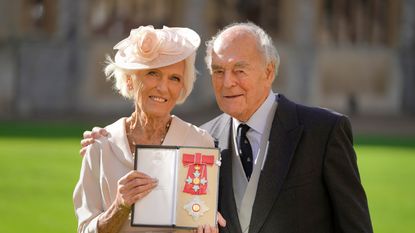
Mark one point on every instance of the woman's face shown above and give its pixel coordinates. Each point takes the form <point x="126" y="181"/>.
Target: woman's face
<point x="160" y="88"/>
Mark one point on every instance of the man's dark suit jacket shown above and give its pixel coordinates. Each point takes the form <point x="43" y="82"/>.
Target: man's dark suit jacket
<point x="310" y="181"/>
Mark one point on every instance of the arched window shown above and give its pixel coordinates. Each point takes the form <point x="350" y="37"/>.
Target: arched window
<point x="358" y="22"/>
<point x="39" y="17"/>
<point x="117" y="17"/>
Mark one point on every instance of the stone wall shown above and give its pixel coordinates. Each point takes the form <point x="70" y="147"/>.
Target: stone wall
<point x="52" y="53"/>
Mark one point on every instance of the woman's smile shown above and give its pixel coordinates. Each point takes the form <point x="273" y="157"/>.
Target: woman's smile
<point x="158" y="99"/>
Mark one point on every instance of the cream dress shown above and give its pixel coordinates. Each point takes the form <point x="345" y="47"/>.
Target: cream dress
<point x="109" y="159"/>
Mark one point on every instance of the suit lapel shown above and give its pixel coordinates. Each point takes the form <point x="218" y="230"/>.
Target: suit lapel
<point x="227" y="204"/>
<point x="284" y="136"/>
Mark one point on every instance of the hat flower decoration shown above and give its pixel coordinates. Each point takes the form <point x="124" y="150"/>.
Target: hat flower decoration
<point x="147" y="47"/>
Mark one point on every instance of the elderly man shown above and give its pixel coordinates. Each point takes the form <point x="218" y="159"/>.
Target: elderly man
<point x="285" y="167"/>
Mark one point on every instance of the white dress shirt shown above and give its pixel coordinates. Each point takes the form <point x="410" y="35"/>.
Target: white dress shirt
<point x="257" y="123"/>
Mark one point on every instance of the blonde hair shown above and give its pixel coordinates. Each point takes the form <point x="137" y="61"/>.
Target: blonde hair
<point x="120" y="76"/>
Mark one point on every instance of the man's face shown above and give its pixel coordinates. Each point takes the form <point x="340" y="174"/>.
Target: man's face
<point x="240" y="77"/>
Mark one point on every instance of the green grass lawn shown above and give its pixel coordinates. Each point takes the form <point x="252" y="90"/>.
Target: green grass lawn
<point x="39" y="166"/>
<point x="388" y="175"/>
<point x="37" y="179"/>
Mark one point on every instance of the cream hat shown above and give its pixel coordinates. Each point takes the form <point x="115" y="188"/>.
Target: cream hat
<point x="148" y="48"/>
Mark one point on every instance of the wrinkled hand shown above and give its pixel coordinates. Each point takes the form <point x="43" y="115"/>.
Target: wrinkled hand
<point x="212" y="229"/>
<point x="132" y="187"/>
<point x="89" y="138"/>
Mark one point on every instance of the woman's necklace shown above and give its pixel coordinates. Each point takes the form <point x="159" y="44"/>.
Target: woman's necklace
<point x="130" y="136"/>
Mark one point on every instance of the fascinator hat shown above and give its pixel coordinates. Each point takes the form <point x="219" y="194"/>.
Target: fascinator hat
<point x="148" y="48"/>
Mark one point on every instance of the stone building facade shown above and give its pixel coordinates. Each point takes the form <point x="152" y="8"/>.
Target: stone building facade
<point x="353" y="56"/>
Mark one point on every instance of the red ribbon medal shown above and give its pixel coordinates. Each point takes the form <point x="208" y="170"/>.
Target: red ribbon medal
<point x="196" y="181"/>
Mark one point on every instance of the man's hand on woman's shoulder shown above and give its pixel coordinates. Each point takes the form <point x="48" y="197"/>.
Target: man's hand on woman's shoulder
<point x="89" y="138"/>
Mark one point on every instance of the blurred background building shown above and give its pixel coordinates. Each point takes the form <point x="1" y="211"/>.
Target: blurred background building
<point x="353" y="56"/>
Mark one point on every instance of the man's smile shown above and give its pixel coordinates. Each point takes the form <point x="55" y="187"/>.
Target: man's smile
<point x="232" y="96"/>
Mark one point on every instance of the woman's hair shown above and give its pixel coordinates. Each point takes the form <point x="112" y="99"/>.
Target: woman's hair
<point x="264" y="42"/>
<point x="120" y="75"/>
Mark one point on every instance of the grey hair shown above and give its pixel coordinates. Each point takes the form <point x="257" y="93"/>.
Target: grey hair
<point x="264" y="42"/>
<point x="120" y="76"/>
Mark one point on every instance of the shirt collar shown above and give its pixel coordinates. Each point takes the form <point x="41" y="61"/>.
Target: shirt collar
<point x="256" y="121"/>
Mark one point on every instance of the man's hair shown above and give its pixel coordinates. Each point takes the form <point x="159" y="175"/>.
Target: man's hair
<point x="264" y="43"/>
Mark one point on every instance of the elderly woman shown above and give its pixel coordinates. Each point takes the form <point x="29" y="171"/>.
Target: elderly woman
<point x="155" y="69"/>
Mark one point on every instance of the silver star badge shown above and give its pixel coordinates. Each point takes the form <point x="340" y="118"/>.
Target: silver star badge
<point x="196" y="207"/>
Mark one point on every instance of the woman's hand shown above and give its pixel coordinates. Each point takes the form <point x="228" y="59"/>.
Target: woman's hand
<point x="212" y="229"/>
<point x="132" y="187"/>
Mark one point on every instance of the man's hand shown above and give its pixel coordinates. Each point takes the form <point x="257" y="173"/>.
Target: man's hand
<point x="212" y="229"/>
<point x="89" y="138"/>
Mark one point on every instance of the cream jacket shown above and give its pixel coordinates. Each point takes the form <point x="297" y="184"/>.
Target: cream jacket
<point x="110" y="158"/>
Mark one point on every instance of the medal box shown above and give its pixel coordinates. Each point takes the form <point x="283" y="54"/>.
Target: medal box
<point x="187" y="192"/>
